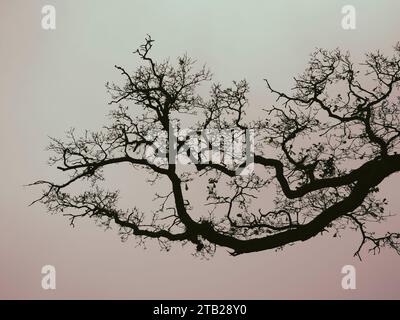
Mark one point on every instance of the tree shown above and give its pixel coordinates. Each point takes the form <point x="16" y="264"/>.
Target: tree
<point x="334" y="137"/>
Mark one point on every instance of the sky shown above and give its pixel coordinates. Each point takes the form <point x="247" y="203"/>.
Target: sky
<point x="53" y="80"/>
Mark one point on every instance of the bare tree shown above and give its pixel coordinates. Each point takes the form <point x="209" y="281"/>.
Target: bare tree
<point x="334" y="139"/>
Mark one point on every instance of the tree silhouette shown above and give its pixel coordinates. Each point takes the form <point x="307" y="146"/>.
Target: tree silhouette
<point x="322" y="150"/>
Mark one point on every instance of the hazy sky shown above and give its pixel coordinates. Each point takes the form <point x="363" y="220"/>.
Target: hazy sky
<point x="51" y="81"/>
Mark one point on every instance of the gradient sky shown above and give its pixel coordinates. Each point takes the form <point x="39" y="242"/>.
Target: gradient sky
<point x="51" y="81"/>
